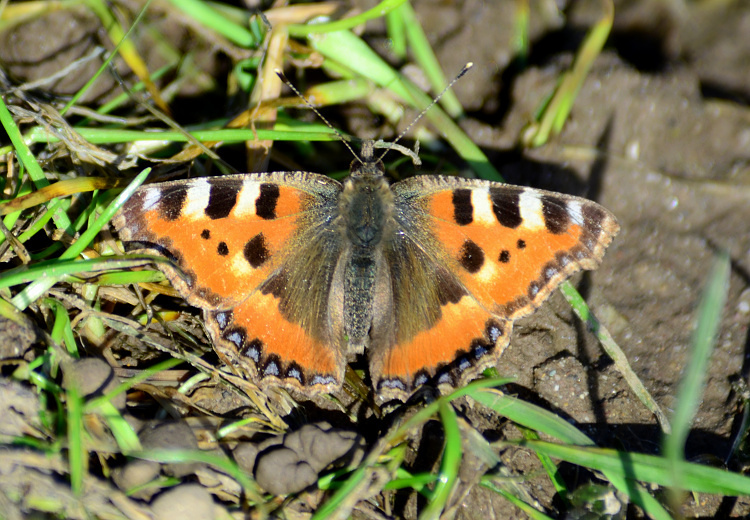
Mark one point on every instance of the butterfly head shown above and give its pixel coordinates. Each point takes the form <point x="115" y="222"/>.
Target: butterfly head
<point x="367" y="165"/>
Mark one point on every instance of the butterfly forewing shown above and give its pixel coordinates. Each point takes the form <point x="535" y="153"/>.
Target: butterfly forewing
<point x="511" y="246"/>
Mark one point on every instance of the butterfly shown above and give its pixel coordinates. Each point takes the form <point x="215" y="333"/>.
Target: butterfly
<point x="297" y="273"/>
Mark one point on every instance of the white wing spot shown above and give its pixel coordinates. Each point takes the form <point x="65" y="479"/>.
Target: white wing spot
<point x="246" y="199"/>
<point x="239" y="264"/>
<point x="531" y="210"/>
<point x="197" y="199"/>
<point x="575" y="210"/>
<point x="151" y="199"/>
<point x="480" y="201"/>
<point x="487" y="273"/>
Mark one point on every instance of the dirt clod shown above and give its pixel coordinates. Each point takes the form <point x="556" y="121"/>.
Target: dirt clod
<point x="174" y="435"/>
<point x="137" y="473"/>
<point x="293" y="464"/>
<point x="186" y="502"/>
<point x="94" y="378"/>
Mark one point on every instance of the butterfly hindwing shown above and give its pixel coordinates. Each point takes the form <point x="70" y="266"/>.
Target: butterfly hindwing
<point x="438" y="331"/>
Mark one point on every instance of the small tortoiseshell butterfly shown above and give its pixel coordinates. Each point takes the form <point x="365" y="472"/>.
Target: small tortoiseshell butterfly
<point x="296" y="272"/>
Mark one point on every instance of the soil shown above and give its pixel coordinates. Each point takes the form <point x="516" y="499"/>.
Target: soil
<point x="659" y="134"/>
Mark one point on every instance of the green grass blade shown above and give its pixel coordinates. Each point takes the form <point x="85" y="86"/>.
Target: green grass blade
<point x="93" y="404"/>
<point x="696" y="478"/>
<point x="532" y="416"/>
<point x="127" y="440"/>
<point x="520" y="41"/>
<point x="61" y="331"/>
<point x="122" y="278"/>
<point x="76" y="451"/>
<point x="64" y="268"/>
<point x="125" y="40"/>
<point x="558" y="108"/>
<point x="425" y="57"/>
<point x="358" y="476"/>
<point x="228" y="135"/>
<point x="379" y="10"/>
<point x="209" y="18"/>
<point x="546" y="422"/>
<point x="549" y="467"/>
<point x="219" y="461"/>
<point x="448" y="475"/>
<point x="693" y="381"/>
<point x="351" y="51"/>
<point x="520" y="504"/>
<point x="394" y="22"/>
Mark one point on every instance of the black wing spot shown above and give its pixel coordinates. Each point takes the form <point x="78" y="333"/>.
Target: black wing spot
<point x="463" y="210"/>
<point x="222" y="197"/>
<point x="521" y="244"/>
<point x="265" y="204"/>
<point x="471" y="256"/>
<point x="506" y="204"/>
<point x="205" y="234"/>
<point x="172" y="202"/>
<point x="256" y="252"/>
<point x="556" y="216"/>
<point x="504" y="256"/>
<point x="222" y="249"/>
<point x="593" y="217"/>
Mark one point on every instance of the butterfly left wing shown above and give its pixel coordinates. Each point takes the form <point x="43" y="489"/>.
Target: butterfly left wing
<point x="257" y="253"/>
<point x="469" y="258"/>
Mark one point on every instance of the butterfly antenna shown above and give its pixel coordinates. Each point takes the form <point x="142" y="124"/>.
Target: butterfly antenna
<point x="341" y="136"/>
<point x="393" y="144"/>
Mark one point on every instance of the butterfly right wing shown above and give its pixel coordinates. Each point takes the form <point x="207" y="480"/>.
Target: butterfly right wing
<point x="469" y="257"/>
<point x="258" y="253"/>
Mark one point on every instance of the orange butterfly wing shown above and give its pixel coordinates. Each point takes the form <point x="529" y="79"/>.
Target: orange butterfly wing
<point x="490" y="253"/>
<point x="233" y="240"/>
